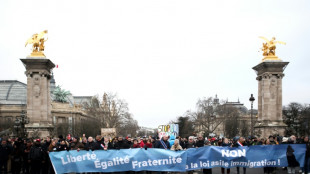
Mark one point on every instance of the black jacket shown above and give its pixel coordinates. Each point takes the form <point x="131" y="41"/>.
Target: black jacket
<point x="121" y="145"/>
<point x="5" y="151"/>
<point x="159" y="145"/>
<point x="200" y="143"/>
<point x="91" y="146"/>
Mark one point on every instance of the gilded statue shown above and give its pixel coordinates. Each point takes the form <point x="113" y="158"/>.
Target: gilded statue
<point x="269" y="48"/>
<point x="37" y="41"/>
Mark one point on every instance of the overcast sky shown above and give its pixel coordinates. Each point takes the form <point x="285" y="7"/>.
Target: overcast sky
<point x="160" y="56"/>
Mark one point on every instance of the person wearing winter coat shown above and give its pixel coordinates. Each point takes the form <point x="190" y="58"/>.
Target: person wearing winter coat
<point x="163" y="143"/>
<point x="76" y="144"/>
<point x="63" y="145"/>
<point x="16" y="158"/>
<point x="305" y="169"/>
<point x="190" y="143"/>
<point x="293" y="164"/>
<point x="135" y="144"/>
<point x="52" y="148"/>
<point x="225" y="143"/>
<point x="200" y="142"/>
<point x="121" y="144"/>
<point x="5" y="150"/>
<point x="148" y="144"/>
<point x="107" y="145"/>
<point x="239" y="143"/>
<point x="91" y="145"/>
<point x="36" y="157"/>
<point x="176" y="146"/>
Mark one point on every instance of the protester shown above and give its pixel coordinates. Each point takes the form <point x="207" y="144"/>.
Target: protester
<point x="305" y="168"/>
<point x="36" y="157"/>
<point x="291" y="160"/>
<point x="135" y="144"/>
<point x="121" y="144"/>
<point x="200" y="143"/>
<point x="269" y="141"/>
<point x="5" y="150"/>
<point x="76" y="144"/>
<point x="190" y="143"/>
<point x="98" y="142"/>
<point x="46" y="165"/>
<point x="52" y="148"/>
<point x="225" y="143"/>
<point x="163" y="143"/>
<point x="148" y="144"/>
<point x="129" y="141"/>
<point x="63" y="145"/>
<point x="17" y="158"/>
<point x="91" y="145"/>
<point x="140" y="142"/>
<point x="176" y="146"/>
<point x="26" y="150"/>
<point x="107" y="144"/>
<point x="239" y="143"/>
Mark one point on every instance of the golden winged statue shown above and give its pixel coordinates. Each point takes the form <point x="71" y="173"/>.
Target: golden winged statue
<point x="37" y="41"/>
<point x="269" y="48"/>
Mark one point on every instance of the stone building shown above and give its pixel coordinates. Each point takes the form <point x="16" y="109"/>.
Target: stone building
<point x="219" y="121"/>
<point x="13" y="100"/>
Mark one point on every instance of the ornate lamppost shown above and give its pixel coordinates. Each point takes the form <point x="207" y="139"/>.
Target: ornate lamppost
<point x="252" y="99"/>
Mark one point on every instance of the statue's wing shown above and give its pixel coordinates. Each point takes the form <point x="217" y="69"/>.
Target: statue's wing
<point x="41" y="35"/>
<point x="264" y="39"/>
<point x="29" y="41"/>
<point x="280" y="42"/>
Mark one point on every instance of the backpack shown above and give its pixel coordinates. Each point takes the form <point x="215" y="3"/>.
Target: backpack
<point x="37" y="154"/>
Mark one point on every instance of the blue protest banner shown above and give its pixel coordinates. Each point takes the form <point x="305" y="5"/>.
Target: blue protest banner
<point x="251" y="157"/>
<point x="118" y="160"/>
<point x="166" y="160"/>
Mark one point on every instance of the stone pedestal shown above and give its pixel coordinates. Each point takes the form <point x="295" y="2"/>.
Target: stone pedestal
<point x="38" y="72"/>
<point x="269" y="76"/>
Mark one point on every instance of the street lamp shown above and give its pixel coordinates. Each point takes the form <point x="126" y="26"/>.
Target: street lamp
<point x="17" y="126"/>
<point x="252" y="99"/>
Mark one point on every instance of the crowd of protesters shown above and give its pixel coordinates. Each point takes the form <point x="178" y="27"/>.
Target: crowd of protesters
<point x="31" y="155"/>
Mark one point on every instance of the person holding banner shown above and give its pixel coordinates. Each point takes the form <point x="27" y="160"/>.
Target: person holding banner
<point x="225" y="143"/>
<point x="240" y="142"/>
<point x="176" y="146"/>
<point x="163" y="143"/>
<point x="305" y="169"/>
<point x="201" y="143"/>
<point x="121" y="144"/>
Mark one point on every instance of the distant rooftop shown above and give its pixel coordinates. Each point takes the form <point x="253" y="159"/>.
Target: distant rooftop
<point x="13" y="92"/>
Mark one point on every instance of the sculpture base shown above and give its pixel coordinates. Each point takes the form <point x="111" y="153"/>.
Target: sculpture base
<point x="37" y="54"/>
<point x="39" y="130"/>
<point x="266" y="128"/>
<point x="271" y="58"/>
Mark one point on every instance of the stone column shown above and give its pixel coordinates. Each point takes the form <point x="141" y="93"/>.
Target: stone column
<point x="38" y="72"/>
<point x="269" y="76"/>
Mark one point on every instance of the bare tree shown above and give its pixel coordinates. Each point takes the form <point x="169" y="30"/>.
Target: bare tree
<point x="297" y="118"/>
<point x="112" y="112"/>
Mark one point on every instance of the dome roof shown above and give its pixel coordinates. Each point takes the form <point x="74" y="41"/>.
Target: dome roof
<point x="13" y="92"/>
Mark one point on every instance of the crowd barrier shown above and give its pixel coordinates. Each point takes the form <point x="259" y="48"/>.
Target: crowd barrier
<point x="166" y="160"/>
